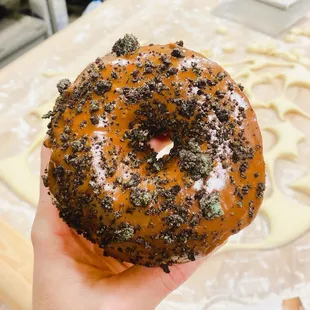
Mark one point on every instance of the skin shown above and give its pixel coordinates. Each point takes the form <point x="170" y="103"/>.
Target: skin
<point x="71" y="273"/>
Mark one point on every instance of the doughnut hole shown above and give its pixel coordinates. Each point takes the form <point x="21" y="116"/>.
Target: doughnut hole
<point x="160" y="142"/>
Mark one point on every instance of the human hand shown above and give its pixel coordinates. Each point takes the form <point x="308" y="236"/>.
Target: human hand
<point x="71" y="272"/>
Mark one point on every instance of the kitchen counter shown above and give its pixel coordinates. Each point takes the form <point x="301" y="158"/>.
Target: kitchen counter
<point x="269" y="259"/>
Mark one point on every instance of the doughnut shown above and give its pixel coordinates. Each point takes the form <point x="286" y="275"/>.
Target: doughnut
<point x="137" y="204"/>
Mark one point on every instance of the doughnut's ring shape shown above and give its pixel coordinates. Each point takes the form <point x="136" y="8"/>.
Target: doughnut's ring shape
<point x="111" y="186"/>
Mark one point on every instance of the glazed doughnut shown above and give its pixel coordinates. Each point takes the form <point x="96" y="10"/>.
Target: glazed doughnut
<point x="114" y="189"/>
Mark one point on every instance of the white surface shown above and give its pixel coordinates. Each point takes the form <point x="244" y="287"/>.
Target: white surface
<point x="273" y="302"/>
<point x="281" y="3"/>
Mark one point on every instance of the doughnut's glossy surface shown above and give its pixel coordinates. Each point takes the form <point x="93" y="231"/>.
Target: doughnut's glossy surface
<point x="110" y="185"/>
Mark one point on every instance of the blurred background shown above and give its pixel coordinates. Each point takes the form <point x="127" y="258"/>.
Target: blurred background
<point x="26" y="23"/>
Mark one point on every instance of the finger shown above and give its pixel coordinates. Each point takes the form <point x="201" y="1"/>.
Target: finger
<point x="157" y="144"/>
<point x="44" y="199"/>
<point x="47" y="222"/>
<point x="144" y="288"/>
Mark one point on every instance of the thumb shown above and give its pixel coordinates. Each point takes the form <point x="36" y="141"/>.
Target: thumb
<point x="47" y="223"/>
<point x="144" y="288"/>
